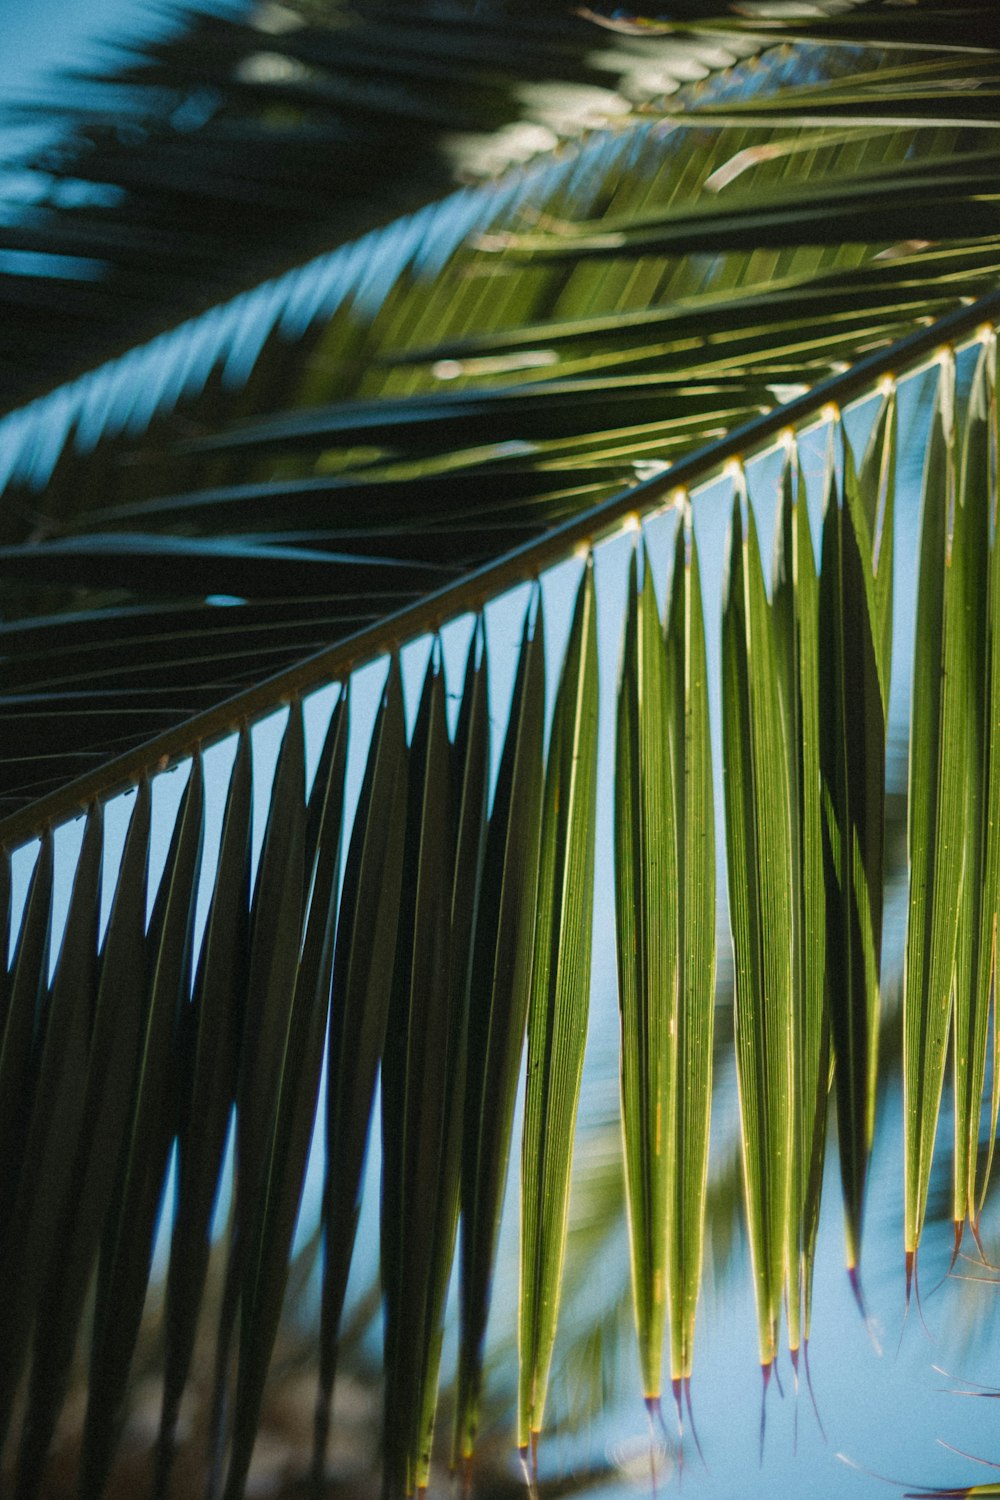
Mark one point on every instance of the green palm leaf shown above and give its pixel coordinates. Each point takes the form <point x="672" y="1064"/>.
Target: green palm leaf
<point x="796" y="640"/>
<point x="560" y="998"/>
<point x="423" y="1064"/>
<point x="937" y="791"/>
<point x="975" y="946"/>
<point x="758" y="837"/>
<point x="687" y="669"/>
<point x="498" y="1009"/>
<point x="855" y="641"/>
<point x="646" y="907"/>
<point x="383" y="477"/>
<point x="990" y="877"/>
<point x="666" y="956"/>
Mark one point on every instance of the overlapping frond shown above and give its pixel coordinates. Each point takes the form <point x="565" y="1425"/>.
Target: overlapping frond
<point x="292" y="467"/>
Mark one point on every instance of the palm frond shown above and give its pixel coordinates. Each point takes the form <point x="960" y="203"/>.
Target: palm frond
<point x="352" y="456"/>
<point x="413" y="375"/>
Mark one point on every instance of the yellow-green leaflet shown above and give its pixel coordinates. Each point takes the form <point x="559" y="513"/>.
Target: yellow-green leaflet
<point x="854" y="639"/>
<point x="557" y="1018"/>
<point x="646" y="906"/>
<point x="936" y="805"/>
<point x="975" y="956"/>
<point x="796" y="637"/>
<point x="694" y="827"/>
<point x="758" y="839"/>
<point x="987" y="973"/>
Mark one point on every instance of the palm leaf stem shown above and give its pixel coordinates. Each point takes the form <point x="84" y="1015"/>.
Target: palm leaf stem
<point x="474" y="588"/>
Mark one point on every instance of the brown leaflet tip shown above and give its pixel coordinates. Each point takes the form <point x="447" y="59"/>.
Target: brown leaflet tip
<point x="974" y="1226"/>
<point x="854" y="1278"/>
<point x="694" y="1430"/>
<point x="765" y="1370"/>
<point x="654" y="1411"/>
<point x="910" y="1261"/>
<point x="809" y="1386"/>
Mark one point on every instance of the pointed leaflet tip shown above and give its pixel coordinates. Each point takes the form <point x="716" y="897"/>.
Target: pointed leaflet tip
<point x="958" y="1226"/>
<point x="528" y="1468"/>
<point x="694" y="1430"/>
<point x="809" y="1387"/>
<point x="974" y="1226"/>
<point x="855" y="1280"/>
<point x="676" y="1385"/>
<point x="654" y="1413"/>
<point x="765" y="1371"/>
<point x="910" y="1262"/>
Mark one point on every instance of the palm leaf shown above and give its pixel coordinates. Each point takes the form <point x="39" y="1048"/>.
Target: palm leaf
<point x="598" y="341"/>
<point x="975" y="942"/>
<point x="501" y="981"/>
<point x="112" y="1064"/>
<point x="937" y="791"/>
<point x="127" y="1247"/>
<point x="796" y="638"/>
<point x="986" y="982"/>
<point x="758" y="838"/>
<point x="359" y="1008"/>
<point x="693" y="1051"/>
<point x="666" y="950"/>
<point x="557" y="1015"/>
<point x="423" y="1064"/>
<point x="854" y="639"/>
<point x="209" y="1039"/>
<point x="646" y="908"/>
<point x="302" y="1024"/>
